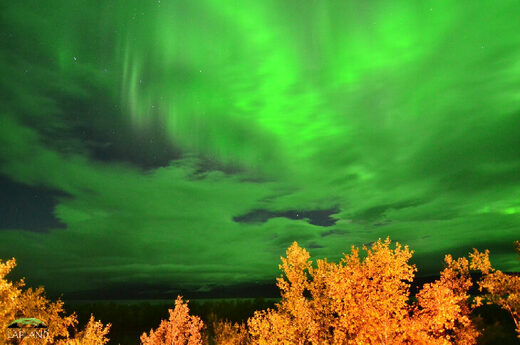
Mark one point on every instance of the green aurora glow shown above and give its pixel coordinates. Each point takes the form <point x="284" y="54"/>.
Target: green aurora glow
<point x="161" y="122"/>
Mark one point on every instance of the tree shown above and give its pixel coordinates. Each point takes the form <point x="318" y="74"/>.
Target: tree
<point x="442" y="311"/>
<point x="228" y="333"/>
<point x="502" y="289"/>
<point x="180" y="329"/>
<point x="365" y="301"/>
<point x="95" y="333"/>
<point x="17" y="303"/>
<point x="293" y="322"/>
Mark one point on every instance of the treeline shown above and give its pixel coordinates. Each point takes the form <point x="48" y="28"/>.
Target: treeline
<point x="363" y="299"/>
<point x="129" y="321"/>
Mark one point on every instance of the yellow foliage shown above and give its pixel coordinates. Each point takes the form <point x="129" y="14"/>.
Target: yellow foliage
<point x="443" y="309"/>
<point x="94" y="334"/>
<point x="227" y="333"/>
<point x="18" y="303"/>
<point x="180" y="329"/>
<point x="365" y="301"/>
<point x="502" y="289"/>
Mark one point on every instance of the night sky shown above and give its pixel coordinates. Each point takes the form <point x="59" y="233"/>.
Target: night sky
<point x="165" y="145"/>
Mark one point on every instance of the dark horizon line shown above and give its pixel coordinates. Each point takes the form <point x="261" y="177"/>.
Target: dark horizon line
<point x="263" y="290"/>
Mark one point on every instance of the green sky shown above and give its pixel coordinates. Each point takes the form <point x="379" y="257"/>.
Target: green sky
<point x="188" y="143"/>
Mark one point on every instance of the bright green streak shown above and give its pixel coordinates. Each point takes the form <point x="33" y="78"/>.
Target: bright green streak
<point x="404" y="113"/>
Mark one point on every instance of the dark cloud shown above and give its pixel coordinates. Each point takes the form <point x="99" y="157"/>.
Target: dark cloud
<point x="314" y="217"/>
<point x="314" y="246"/>
<point x="28" y="208"/>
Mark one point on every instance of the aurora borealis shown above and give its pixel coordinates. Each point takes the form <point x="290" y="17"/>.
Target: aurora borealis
<point x="187" y="143"/>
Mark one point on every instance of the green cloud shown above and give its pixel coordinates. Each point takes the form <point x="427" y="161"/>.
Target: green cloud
<point x="163" y="121"/>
